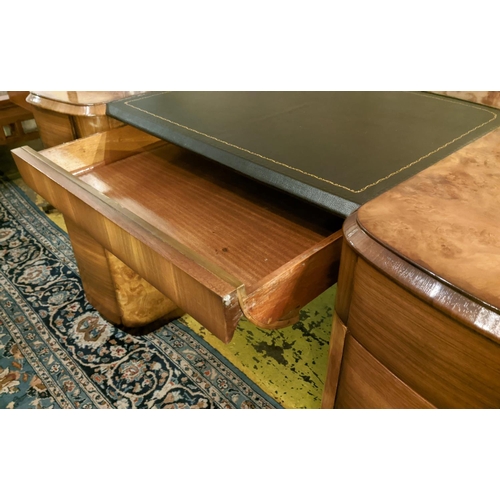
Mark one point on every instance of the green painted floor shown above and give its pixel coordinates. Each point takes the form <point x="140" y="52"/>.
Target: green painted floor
<point x="289" y="364"/>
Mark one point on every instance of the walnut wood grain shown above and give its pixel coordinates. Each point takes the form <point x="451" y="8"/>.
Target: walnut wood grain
<point x="204" y="295"/>
<point x="446" y="219"/>
<point x="366" y="383"/>
<point x="348" y="263"/>
<point x="18" y="97"/>
<point x="446" y="363"/>
<point x="89" y="125"/>
<point x="207" y="207"/>
<point x="102" y="149"/>
<point x="275" y="301"/>
<point x="76" y="103"/>
<point x="63" y="116"/>
<point x="196" y="231"/>
<point x="94" y="272"/>
<point x="58" y="128"/>
<point x="335" y="353"/>
<point x="443" y="345"/>
<point x="81" y="195"/>
<point x="54" y="128"/>
<point x="444" y="298"/>
<point x="139" y="303"/>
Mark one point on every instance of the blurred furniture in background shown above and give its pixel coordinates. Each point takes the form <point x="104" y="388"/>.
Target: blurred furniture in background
<point x="64" y="116"/>
<point x="16" y="122"/>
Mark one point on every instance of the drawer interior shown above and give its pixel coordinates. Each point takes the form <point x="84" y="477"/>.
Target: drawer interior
<point x="265" y="244"/>
<point x="247" y="229"/>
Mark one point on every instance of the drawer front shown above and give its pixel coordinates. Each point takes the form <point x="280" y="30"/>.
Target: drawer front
<point x="365" y="383"/>
<point x="447" y="363"/>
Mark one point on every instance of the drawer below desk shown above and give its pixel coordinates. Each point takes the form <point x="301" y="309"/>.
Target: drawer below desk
<point x="216" y="243"/>
<point x="365" y="383"/>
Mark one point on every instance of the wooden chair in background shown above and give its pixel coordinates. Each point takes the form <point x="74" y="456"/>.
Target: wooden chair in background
<point x="17" y="123"/>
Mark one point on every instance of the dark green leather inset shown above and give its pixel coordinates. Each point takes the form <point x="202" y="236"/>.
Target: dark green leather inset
<point x="336" y="149"/>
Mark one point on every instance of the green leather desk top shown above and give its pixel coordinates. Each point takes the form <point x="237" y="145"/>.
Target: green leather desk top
<point x="335" y="149"/>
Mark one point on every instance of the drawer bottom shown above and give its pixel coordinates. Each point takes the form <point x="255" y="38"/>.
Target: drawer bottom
<point x="216" y="243"/>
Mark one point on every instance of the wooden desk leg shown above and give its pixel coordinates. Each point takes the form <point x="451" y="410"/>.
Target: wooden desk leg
<point x="119" y="294"/>
<point x="335" y="353"/>
<point x="140" y="302"/>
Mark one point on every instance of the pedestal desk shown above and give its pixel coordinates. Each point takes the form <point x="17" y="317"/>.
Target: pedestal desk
<point x="231" y="203"/>
<point x="417" y="319"/>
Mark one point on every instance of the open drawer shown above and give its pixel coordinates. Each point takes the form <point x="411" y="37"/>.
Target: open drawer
<point x="216" y="243"/>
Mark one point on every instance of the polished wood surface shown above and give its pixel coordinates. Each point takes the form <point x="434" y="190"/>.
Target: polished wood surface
<point x="139" y="302"/>
<point x="345" y="282"/>
<point x="367" y="383"/>
<point x="88" y="125"/>
<point x="335" y="352"/>
<point x="207" y="207"/>
<point x="64" y="116"/>
<point x="116" y="291"/>
<point x="446" y="219"/>
<point x="54" y="128"/>
<point x="76" y="103"/>
<point x="202" y="234"/>
<point x="94" y="272"/>
<point x="12" y="118"/>
<point x="102" y="149"/>
<point x="444" y="298"/>
<point x="19" y="97"/>
<point x="440" y="343"/>
<point x="276" y="300"/>
<point x="137" y="244"/>
<point x="487" y="98"/>
<point x="58" y="128"/>
<point x="448" y="364"/>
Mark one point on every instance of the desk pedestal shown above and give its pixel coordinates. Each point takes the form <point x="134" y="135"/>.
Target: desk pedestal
<point x="403" y="339"/>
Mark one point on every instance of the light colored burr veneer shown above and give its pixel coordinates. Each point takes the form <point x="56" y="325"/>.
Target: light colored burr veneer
<point x="417" y="321"/>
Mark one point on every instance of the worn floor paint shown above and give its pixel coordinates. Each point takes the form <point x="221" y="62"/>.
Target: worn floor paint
<point x="289" y="364"/>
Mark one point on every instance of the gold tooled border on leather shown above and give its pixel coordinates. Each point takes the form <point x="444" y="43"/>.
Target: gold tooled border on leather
<point x="356" y="191"/>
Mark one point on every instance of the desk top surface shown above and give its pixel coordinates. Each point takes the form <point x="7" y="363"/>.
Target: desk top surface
<point x="335" y="149"/>
<point x="446" y="220"/>
<point x="83" y="98"/>
<point x="76" y="103"/>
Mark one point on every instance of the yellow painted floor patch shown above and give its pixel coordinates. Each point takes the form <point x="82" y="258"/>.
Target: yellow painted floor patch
<point x="289" y="364"/>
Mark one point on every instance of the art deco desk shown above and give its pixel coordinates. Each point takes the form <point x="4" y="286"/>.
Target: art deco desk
<point x="232" y="203"/>
<point x="417" y="319"/>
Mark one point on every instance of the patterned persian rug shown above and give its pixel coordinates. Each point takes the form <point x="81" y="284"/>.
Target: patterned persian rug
<point x="57" y="352"/>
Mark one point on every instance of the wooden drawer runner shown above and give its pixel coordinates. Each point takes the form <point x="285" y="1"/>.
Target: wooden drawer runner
<point x="216" y="243"/>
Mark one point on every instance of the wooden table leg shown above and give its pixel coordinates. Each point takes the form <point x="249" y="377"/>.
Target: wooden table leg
<point x="119" y="294"/>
